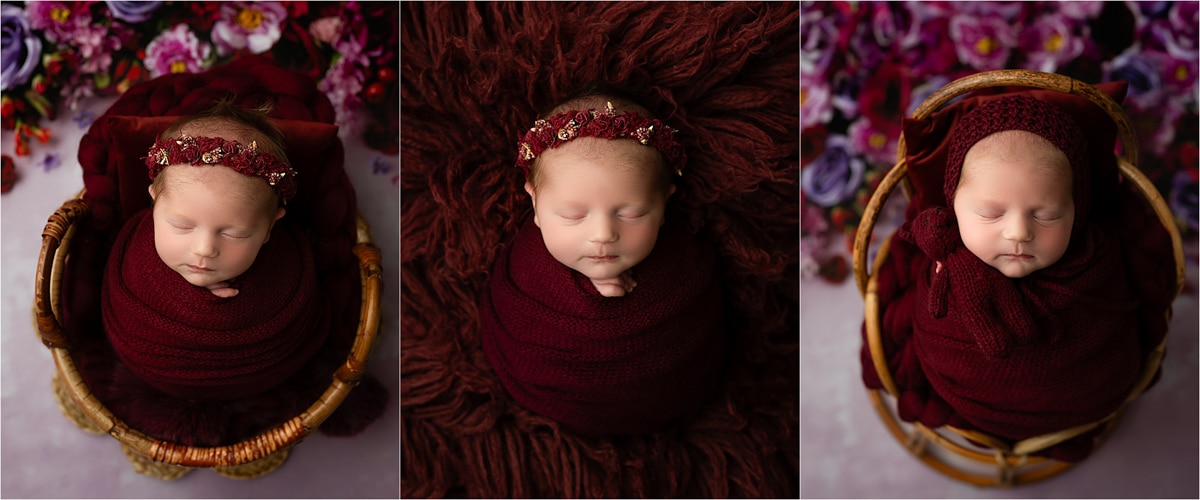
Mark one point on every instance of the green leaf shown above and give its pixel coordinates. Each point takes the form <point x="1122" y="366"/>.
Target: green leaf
<point x="39" y="102"/>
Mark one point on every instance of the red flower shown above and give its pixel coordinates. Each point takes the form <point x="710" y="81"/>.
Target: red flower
<point x="885" y="96"/>
<point x="812" y="143"/>
<point x="8" y="175"/>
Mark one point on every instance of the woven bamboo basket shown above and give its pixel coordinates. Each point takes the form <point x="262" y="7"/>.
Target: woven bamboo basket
<point x="251" y="458"/>
<point x="951" y="453"/>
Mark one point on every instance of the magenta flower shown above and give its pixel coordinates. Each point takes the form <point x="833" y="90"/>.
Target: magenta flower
<point x="176" y="51"/>
<point x="935" y="53"/>
<point x="877" y="145"/>
<point x="248" y="25"/>
<point x="816" y="107"/>
<point x="1049" y="42"/>
<point x="984" y="43"/>
<point x="57" y="20"/>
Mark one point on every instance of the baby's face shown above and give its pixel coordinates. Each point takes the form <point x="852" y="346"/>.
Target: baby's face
<point x="1014" y="206"/>
<point x="210" y="222"/>
<point x="599" y="205"/>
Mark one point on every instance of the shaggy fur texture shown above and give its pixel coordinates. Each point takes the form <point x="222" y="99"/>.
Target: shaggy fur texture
<point x="473" y="77"/>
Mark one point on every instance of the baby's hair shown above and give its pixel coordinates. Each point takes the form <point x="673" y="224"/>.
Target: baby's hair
<point x="594" y="95"/>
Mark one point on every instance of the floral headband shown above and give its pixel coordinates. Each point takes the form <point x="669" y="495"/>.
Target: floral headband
<point x="568" y="125"/>
<point x="245" y="160"/>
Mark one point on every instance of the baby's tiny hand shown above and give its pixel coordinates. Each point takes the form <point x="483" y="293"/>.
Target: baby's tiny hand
<point x="938" y="269"/>
<point x="222" y="290"/>
<point x="615" y="287"/>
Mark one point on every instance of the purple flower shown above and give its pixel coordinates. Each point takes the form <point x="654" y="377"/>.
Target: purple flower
<point x="864" y="50"/>
<point x="1184" y="201"/>
<point x="835" y="175"/>
<point x="923" y="91"/>
<point x="982" y="42"/>
<point x="1148" y="10"/>
<point x="893" y="24"/>
<point x="132" y="12"/>
<point x="84" y="118"/>
<point x="1049" y="43"/>
<point x="57" y="20"/>
<point x="873" y="142"/>
<point x="815" y="105"/>
<point x="819" y="36"/>
<point x="252" y="25"/>
<point x="50" y="162"/>
<point x="21" y="49"/>
<point x="845" y="88"/>
<point x="1142" y="73"/>
<point x="1007" y="11"/>
<point x="380" y="166"/>
<point x="176" y="51"/>
<point x="1080" y="11"/>
<point x="1173" y="34"/>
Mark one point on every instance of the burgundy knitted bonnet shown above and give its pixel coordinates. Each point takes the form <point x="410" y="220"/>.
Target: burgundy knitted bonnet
<point x="1020" y="112"/>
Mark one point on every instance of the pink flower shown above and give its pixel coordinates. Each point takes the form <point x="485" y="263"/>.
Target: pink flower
<point x="326" y="29"/>
<point x="1050" y="43"/>
<point x="342" y="84"/>
<point x="982" y="43"/>
<point x="176" y="51"/>
<point x="1080" y="11"/>
<point x="58" y="20"/>
<point x="248" y="25"/>
<point x="816" y="107"/>
<point x="876" y="144"/>
<point x="96" y="46"/>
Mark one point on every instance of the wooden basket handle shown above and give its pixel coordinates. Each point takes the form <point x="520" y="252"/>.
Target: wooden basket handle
<point x="999" y="78"/>
<point x="49" y="265"/>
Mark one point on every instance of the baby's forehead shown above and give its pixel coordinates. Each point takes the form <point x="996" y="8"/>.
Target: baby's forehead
<point x="1009" y="144"/>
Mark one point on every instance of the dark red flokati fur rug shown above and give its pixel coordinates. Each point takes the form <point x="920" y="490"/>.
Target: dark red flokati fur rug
<point x="324" y="208"/>
<point x="473" y="76"/>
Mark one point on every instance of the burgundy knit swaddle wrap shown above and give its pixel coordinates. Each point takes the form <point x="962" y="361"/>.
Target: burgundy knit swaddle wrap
<point x="1027" y="356"/>
<point x="185" y="341"/>
<point x="606" y="365"/>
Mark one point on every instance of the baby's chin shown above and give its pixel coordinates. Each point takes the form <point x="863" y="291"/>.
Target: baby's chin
<point x="200" y="281"/>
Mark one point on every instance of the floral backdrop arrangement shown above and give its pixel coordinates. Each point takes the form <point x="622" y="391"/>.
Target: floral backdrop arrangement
<point x="57" y="53"/>
<point x="866" y="65"/>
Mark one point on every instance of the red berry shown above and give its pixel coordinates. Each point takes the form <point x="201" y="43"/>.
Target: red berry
<point x="387" y="75"/>
<point x="375" y="93"/>
<point x="7" y="108"/>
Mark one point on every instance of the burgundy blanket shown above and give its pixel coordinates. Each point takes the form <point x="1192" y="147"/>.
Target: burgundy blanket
<point x="1022" y="357"/>
<point x="606" y="365"/>
<point x="187" y="342"/>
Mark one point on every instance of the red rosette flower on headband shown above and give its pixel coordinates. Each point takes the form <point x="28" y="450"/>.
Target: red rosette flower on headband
<point x="564" y="127"/>
<point x="244" y="159"/>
